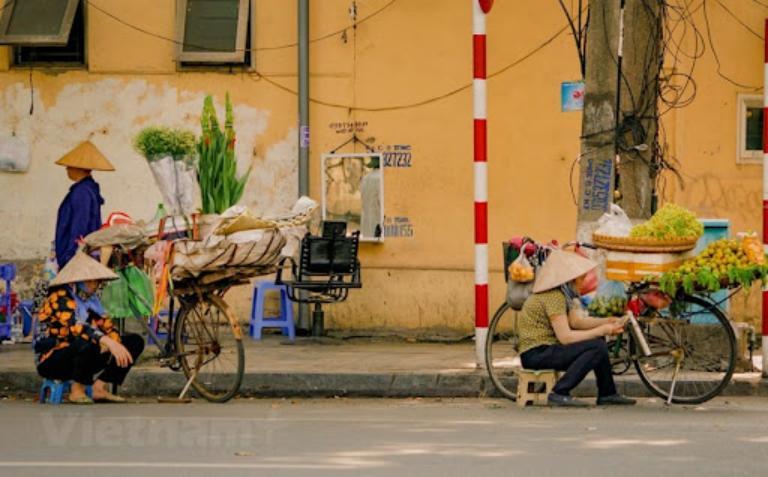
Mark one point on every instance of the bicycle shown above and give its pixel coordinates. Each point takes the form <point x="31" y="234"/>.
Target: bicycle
<point x="684" y="351"/>
<point x="203" y="339"/>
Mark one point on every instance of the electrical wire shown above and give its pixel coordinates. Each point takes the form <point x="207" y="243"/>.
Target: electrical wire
<point x="717" y="56"/>
<point x="204" y="48"/>
<point x="740" y="21"/>
<point x="424" y="102"/>
<point x="259" y="76"/>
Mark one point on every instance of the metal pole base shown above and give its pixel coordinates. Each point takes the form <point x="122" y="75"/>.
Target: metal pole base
<point x="318" y="321"/>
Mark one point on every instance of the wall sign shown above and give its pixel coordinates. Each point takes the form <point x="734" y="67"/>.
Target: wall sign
<point x="398" y="227"/>
<point x="572" y="96"/>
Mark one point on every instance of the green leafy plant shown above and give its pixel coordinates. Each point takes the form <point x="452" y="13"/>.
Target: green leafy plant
<point x="154" y="142"/>
<point x="220" y="188"/>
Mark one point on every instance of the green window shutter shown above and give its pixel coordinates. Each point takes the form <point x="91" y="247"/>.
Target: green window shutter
<point x="37" y="22"/>
<point x="214" y="30"/>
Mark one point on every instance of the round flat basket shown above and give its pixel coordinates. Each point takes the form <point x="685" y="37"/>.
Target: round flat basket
<point x="634" y="244"/>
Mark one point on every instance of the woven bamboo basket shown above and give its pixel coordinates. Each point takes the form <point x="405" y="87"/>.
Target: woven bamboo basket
<point x="647" y="245"/>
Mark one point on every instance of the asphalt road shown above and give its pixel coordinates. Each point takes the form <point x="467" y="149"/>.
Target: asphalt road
<point x="337" y="437"/>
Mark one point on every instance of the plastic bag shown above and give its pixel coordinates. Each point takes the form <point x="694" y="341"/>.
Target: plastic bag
<point x="521" y="270"/>
<point x="614" y="223"/>
<point x="130" y="295"/>
<point x="141" y="294"/>
<point x="114" y="298"/>
<point x="177" y="182"/>
<point x="611" y="300"/>
<point x="517" y="293"/>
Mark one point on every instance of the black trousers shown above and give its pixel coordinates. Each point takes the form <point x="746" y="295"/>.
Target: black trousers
<point x="82" y="360"/>
<point x="577" y="360"/>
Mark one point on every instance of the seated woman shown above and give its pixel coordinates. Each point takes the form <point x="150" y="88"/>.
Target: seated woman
<point x="80" y="341"/>
<point x="553" y="337"/>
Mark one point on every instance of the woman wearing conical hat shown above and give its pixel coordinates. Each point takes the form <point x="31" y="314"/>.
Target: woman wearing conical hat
<point x="80" y="212"/>
<point x="80" y="341"/>
<point x="554" y="336"/>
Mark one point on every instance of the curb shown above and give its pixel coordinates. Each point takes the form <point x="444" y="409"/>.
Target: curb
<point x="463" y="384"/>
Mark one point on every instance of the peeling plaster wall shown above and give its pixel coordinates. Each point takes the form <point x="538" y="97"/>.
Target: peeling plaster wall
<point x="110" y="112"/>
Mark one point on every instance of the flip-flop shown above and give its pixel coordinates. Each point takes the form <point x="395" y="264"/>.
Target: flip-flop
<point x="109" y="397"/>
<point x="80" y="400"/>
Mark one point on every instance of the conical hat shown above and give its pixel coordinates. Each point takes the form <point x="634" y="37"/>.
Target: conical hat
<point x="86" y="156"/>
<point x="82" y="268"/>
<point x="560" y="268"/>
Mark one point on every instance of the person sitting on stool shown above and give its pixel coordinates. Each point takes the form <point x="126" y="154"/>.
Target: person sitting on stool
<point x="80" y="341"/>
<point x="552" y="337"/>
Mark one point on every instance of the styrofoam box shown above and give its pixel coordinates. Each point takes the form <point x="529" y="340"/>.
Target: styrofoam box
<point x="632" y="267"/>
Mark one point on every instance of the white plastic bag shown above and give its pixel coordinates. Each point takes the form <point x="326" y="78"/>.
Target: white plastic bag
<point x="177" y="181"/>
<point x="614" y="223"/>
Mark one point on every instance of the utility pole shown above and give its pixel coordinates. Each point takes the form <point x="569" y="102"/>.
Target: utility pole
<point x="623" y="60"/>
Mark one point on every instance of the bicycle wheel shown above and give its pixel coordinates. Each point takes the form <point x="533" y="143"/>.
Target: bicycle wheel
<point x="210" y="346"/>
<point x="693" y="341"/>
<point x="501" y="351"/>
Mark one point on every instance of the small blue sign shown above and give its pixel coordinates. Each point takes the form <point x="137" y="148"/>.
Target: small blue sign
<point x="572" y="96"/>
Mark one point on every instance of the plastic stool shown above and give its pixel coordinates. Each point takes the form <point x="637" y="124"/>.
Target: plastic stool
<point x="8" y="275"/>
<point x="533" y="386"/>
<point x="52" y="391"/>
<point x="284" y="321"/>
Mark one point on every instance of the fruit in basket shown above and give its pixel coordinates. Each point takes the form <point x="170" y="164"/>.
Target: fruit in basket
<point x="519" y="272"/>
<point x="721" y="264"/>
<point x="607" y="306"/>
<point x="669" y="222"/>
<point x="752" y="247"/>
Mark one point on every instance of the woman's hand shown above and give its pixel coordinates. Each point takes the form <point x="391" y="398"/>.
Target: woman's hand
<point x="610" y="329"/>
<point x="121" y="354"/>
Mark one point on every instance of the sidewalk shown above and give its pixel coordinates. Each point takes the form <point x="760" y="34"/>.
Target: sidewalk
<point x="359" y="367"/>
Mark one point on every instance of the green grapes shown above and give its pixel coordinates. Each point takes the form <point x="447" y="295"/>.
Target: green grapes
<point x="670" y="222"/>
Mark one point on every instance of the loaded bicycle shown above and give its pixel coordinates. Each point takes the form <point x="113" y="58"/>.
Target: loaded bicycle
<point x="199" y="333"/>
<point x="682" y="347"/>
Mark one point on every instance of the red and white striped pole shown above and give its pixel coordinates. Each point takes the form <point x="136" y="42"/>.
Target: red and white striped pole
<point x="765" y="200"/>
<point x="480" y="9"/>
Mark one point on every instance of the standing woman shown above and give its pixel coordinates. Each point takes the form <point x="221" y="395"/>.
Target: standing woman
<point x="80" y="212"/>
<point x="553" y="335"/>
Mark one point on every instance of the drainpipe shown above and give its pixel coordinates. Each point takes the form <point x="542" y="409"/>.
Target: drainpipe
<point x="303" y="123"/>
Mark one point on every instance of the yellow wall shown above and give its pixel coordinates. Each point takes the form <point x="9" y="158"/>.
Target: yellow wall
<point x="408" y="53"/>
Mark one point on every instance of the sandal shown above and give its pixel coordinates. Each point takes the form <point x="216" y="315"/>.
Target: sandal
<point x="80" y="400"/>
<point x="109" y="397"/>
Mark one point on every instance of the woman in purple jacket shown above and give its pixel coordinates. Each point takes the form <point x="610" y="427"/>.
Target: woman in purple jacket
<point x="80" y="212"/>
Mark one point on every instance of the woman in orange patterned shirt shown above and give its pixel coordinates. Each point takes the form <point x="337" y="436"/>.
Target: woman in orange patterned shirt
<point x="80" y="341"/>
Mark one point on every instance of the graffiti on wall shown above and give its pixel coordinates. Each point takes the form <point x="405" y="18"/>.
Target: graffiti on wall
<point x="713" y="196"/>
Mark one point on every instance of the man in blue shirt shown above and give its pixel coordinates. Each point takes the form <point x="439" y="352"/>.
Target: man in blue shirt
<point x="80" y="212"/>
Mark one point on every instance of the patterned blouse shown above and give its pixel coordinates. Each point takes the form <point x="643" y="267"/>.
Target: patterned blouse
<point x="534" y="326"/>
<point x="64" y="325"/>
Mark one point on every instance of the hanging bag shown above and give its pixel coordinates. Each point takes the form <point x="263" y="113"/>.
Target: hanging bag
<point x="521" y="278"/>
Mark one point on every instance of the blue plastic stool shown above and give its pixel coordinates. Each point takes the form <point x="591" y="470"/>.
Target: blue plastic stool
<point x="8" y="275"/>
<point x="284" y="321"/>
<point x="52" y="391"/>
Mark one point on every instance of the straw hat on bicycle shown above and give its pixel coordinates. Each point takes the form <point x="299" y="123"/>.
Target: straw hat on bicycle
<point x="560" y="268"/>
